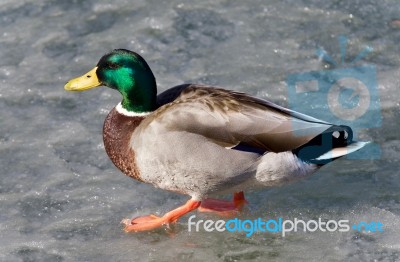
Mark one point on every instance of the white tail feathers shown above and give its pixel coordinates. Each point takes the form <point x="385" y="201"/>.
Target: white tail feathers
<point x="341" y="151"/>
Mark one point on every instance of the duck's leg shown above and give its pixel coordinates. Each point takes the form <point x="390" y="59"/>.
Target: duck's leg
<point x="223" y="207"/>
<point x="150" y="222"/>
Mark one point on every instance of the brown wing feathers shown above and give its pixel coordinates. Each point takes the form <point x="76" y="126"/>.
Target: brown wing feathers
<point x="229" y="117"/>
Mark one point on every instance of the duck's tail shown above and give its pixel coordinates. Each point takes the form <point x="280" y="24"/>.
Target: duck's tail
<point x="335" y="142"/>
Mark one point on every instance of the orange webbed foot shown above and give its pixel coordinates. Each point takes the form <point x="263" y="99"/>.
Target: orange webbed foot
<point x="222" y="207"/>
<point x="150" y="222"/>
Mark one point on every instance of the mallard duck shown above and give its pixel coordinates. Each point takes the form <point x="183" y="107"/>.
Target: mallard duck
<point x="202" y="141"/>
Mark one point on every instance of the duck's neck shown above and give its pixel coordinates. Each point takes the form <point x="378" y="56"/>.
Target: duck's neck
<point x="139" y="93"/>
<point x="139" y="103"/>
<point x="117" y="132"/>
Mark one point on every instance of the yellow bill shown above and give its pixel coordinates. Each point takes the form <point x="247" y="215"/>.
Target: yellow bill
<point x="85" y="82"/>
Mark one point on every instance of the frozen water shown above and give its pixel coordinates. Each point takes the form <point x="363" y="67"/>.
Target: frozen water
<point x="61" y="197"/>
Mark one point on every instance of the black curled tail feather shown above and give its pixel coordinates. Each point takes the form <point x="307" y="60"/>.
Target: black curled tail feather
<point x="333" y="137"/>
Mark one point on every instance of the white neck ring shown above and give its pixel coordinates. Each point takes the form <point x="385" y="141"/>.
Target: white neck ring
<point x="125" y="112"/>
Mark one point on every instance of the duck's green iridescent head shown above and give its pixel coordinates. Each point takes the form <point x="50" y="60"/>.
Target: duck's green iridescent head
<point x="125" y="71"/>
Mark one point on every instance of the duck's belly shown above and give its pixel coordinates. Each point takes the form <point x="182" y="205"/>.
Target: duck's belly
<point x="275" y="169"/>
<point x="193" y="165"/>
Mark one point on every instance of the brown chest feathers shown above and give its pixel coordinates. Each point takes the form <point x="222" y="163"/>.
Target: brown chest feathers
<point x="117" y="133"/>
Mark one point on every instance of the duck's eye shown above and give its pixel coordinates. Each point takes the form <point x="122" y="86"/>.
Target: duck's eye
<point x="112" y="65"/>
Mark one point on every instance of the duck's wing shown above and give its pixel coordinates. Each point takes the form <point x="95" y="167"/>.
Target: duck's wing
<point x="229" y="118"/>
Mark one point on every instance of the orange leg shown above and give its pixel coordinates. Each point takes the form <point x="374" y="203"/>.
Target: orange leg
<point x="150" y="222"/>
<point x="223" y="207"/>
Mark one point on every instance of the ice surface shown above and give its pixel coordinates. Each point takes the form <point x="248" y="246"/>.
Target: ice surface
<point x="61" y="197"/>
